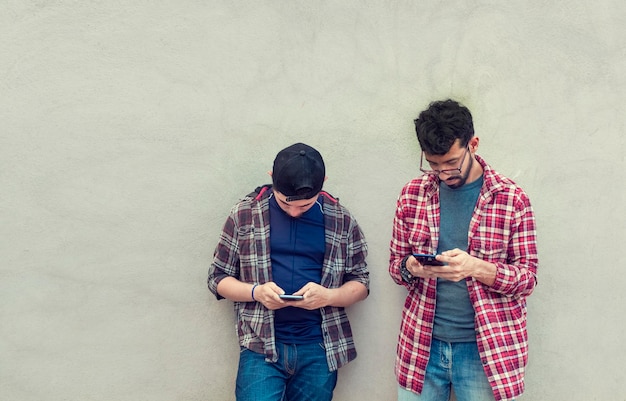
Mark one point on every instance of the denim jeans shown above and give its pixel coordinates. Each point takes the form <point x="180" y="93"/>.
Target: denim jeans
<point x="452" y="365"/>
<point x="301" y="374"/>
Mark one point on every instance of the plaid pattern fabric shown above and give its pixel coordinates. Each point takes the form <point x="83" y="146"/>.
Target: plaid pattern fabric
<point x="502" y="231"/>
<point x="243" y="252"/>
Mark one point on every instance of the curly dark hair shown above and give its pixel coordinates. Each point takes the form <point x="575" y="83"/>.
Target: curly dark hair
<point x="439" y="126"/>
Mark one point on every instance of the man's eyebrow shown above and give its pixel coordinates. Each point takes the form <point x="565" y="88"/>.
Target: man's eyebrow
<point x="451" y="160"/>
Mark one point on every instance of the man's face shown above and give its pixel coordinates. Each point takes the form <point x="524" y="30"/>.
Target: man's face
<point x="453" y="168"/>
<point x="294" y="208"/>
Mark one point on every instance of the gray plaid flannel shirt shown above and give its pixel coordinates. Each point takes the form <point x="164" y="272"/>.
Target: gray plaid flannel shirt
<point x="243" y="252"/>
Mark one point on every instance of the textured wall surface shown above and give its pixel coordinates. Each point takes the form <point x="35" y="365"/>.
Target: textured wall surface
<point x="128" y="130"/>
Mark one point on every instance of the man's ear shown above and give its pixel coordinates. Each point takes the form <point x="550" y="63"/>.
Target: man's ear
<point x="473" y="144"/>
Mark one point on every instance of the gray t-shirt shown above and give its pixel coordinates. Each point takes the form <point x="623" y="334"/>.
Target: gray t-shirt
<point x="454" y="314"/>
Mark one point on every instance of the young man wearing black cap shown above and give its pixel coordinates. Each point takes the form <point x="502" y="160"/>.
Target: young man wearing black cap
<point x="291" y="348"/>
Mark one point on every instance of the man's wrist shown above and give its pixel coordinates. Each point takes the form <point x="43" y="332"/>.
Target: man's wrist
<point x="404" y="271"/>
<point x="486" y="273"/>
<point x="254" y="288"/>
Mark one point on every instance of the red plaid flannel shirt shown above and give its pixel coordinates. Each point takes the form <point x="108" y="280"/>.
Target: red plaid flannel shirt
<point x="502" y="231"/>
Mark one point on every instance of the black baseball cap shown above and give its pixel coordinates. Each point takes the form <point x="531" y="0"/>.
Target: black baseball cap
<point x="298" y="172"/>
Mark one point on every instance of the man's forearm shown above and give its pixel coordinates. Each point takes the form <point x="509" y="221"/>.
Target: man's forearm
<point x="348" y="294"/>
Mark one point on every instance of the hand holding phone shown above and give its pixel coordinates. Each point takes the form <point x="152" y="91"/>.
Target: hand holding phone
<point x="426" y="259"/>
<point x="287" y="297"/>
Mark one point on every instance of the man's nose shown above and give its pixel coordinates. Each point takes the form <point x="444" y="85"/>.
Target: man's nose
<point x="293" y="212"/>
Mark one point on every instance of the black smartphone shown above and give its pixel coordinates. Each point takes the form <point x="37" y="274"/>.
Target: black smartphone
<point x="427" y="259"/>
<point x="287" y="297"/>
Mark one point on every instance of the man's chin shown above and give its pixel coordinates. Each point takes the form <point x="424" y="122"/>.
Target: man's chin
<point x="454" y="183"/>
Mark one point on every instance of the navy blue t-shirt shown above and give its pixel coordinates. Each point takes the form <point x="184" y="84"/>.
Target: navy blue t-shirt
<point x="297" y="252"/>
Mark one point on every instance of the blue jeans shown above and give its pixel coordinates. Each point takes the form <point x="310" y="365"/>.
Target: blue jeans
<point x="301" y="374"/>
<point x="452" y="365"/>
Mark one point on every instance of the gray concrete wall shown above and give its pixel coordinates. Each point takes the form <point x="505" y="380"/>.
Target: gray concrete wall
<point x="128" y="129"/>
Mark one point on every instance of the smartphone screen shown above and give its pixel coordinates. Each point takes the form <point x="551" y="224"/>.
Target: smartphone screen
<point x="291" y="297"/>
<point x="427" y="259"/>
